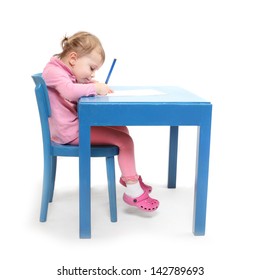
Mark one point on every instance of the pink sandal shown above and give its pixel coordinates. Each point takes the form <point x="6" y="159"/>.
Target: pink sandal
<point x="142" y="184"/>
<point x="143" y="202"/>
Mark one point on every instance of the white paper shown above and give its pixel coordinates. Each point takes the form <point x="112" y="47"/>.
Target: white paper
<point x="136" y="92"/>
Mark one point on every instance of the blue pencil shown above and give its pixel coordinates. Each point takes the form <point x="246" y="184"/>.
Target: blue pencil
<point x="110" y="71"/>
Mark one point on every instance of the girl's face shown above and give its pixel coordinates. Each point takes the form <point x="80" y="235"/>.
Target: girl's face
<point x="84" y="67"/>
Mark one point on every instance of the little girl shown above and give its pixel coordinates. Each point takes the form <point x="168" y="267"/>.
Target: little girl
<point x="68" y="76"/>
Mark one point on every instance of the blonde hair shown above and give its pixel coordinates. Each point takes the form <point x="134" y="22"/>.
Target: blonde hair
<point x="82" y="43"/>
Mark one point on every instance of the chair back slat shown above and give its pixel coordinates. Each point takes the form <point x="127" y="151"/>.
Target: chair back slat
<point x="44" y="108"/>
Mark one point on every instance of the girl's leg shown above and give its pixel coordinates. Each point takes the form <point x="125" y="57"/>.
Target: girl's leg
<point x="119" y="136"/>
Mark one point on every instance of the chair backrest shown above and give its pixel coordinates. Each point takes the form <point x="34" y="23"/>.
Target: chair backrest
<point x="44" y="108"/>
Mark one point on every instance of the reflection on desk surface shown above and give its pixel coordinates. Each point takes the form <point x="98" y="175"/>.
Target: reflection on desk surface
<point x="137" y="92"/>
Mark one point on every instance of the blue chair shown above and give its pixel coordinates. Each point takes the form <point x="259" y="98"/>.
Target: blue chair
<point x="52" y="150"/>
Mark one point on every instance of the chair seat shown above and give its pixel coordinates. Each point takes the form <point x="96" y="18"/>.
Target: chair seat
<point x="73" y="150"/>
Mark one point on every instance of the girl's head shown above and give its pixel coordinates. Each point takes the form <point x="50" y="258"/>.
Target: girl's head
<point x="84" y="54"/>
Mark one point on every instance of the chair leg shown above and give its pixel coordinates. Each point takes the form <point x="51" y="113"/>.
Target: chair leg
<point x="111" y="188"/>
<point x="46" y="187"/>
<point x="53" y="176"/>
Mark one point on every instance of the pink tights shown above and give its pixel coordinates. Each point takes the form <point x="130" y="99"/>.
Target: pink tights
<point x="119" y="136"/>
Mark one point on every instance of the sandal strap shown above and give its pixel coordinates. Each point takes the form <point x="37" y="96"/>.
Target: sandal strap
<point x="143" y="185"/>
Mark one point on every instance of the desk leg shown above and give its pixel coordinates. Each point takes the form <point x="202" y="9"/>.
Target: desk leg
<point x="201" y="183"/>
<point x="84" y="182"/>
<point x="172" y="171"/>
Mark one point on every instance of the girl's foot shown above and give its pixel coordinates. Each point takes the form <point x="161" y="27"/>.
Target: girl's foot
<point x="143" y="202"/>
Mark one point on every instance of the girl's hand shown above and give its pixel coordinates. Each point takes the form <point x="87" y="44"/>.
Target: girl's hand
<point x="102" y="89"/>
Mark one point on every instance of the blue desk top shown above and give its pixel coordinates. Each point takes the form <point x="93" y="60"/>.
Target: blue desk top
<point x="172" y="95"/>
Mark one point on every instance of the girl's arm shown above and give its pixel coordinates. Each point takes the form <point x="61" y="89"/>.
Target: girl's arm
<point x="69" y="90"/>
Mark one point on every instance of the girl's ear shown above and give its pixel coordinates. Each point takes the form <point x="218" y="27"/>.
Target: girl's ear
<point x="72" y="58"/>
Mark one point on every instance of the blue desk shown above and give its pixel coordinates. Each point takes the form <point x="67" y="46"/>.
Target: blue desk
<point x="176" y="108"/>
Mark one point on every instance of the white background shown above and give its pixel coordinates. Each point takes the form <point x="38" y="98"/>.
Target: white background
<point x="208" y="47"/>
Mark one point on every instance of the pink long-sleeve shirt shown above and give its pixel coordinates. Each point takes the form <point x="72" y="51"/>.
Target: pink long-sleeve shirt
<point x="64" y="93"/>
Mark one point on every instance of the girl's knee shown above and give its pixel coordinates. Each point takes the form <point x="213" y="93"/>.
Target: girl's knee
<point x="129" y="140"/>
